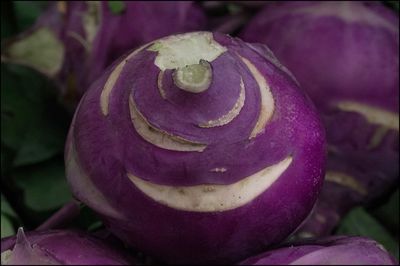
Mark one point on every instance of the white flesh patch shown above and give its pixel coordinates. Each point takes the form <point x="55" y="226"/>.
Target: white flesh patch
<point x="87" y="191"/>
<point x="219" y="170"/>
<point x="158" y="137"/>
<point x="267" y="101"/>
<point x="374" y="115"/>
<point x="5" y="257"/>
<point x="227" y="118"/>
<point x="181" y="50"/>
<point x="345" y="181"/>
<point x="41" y="50"/>
<point x="24" y="253"/>
<point x="213" y="198"/>
<point x="91" y="21"/>
<point x="112" y="79"/>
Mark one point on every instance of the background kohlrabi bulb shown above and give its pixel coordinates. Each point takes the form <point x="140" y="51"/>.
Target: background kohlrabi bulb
<point x="335" y="250"/>
<point x="197" y="148"/>
<point x="74" y="42"/>
<point x="60" y="247"/>
<point x="345" y="55"/>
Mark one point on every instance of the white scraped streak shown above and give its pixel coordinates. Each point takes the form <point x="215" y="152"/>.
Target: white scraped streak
<point x="267" y="101"/>
<point x="213" y="198"/>
<point x="228" y="117"/>
<point x="186" y="49"/>
<point x="112" y="79"/>
<point x="158" y="137"/>
<point x="374" y="115"/>
<point x="160" y="84"/>
<point x="86" y="191"/>
<point x="346" y="181"/>
<point x="6" y="256"/>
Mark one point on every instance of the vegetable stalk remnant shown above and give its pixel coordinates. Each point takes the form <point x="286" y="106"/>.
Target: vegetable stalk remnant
<point x="197" y="147"/>
<point x="346" y="57"/>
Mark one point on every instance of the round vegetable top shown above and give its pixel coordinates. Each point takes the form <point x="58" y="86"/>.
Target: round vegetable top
<point x="196" y="112"/>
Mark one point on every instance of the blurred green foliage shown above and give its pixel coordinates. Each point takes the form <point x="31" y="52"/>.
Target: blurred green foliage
<point x="360" y="222"/>
<point x="8" y="215"/>
<point x="44" y="184"/>
<point x="388" y="213"/>
<point x="393" y="4"/>
<point x="32" y="124"/>
<point x="116" y="7"/>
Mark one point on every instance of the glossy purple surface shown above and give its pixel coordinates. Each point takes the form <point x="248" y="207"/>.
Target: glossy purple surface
<point x="108" y="147"/>
<point x="336" y="250"/>
<point x="66" y="247"/>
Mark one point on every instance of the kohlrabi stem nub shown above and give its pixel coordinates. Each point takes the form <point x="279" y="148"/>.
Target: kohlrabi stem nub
<point x="194" y="78"/>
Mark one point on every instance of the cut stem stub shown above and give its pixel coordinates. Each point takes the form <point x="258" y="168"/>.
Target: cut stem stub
<point x="194" y="78"/>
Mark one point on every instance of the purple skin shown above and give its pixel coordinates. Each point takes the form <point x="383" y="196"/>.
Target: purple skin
<point x="60" y="247"/>
<point x="89" y="52"/>
<point x="107" y="147"/>
<point x="361" y="66"/>
<point x="336" y="250"/>
<point x="62" y="217"/>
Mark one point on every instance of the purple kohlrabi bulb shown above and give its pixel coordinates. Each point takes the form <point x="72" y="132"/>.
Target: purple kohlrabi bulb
<point x="334" y="250"/>
<point x="60" y="247"/>
<point x="197" y="148"/>
<point x="345" y="55"/>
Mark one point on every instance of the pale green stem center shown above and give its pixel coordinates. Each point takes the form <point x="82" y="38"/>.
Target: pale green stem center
<point x="194" y="78"/>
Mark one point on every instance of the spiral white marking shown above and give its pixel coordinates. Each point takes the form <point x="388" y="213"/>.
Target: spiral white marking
<point x="112" y="79"/>
<point x="158" y="137"/>
<point x="160" y="85"/>
<point x="267" y="101"/>
<point x="213" y="198"/>
<point x="227" y="118"/>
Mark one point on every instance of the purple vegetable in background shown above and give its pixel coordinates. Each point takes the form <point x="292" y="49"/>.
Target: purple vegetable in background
<point x="335" y="250"/>
<point x="197" y="148"/>
<point x="60" y="247"/>
<point x="345" y="55"/>
<point x="74" y="42"/>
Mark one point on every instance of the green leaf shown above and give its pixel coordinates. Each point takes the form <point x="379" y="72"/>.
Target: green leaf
<point x="7" y="229"/>
<point x="7" y="158"/>
<point x="388" y="213"/>
<point x="359" y="222"/>
<point x="233" y="9"/>
<point x="32" y="122"/>
<point x="116" y="7"/>
<point x="87" y="220"/>
<point x="8" y="27"/>
<point x="45" y="186"/>
<point x="27" y="12"/>
<point x="6" y="208"/>
<point x="95" y="226"/>
<point x="393" y="4"/>
<point x="41" y="49"/>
